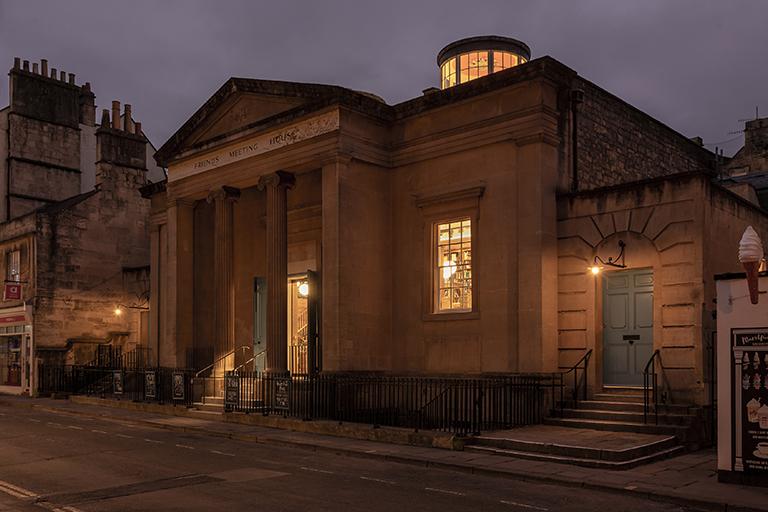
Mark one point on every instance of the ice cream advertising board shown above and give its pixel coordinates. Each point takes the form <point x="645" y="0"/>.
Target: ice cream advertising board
<point x="750" y="399"/>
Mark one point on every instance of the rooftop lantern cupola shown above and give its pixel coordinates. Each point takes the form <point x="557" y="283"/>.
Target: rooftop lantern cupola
<point x="475" y="57"/>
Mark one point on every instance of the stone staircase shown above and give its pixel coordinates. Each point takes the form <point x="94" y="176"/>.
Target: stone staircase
<point x="619" y="409"/>
<point x="210" y="405"/>
<point x="607" y="431"/>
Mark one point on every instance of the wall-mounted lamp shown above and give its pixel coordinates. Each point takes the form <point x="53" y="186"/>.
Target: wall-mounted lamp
<point x="617" y="262"/>
<point x="118" y="311"/>
<point x="304" y="289"/>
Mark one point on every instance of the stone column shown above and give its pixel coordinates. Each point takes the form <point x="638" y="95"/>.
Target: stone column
<point x="223" y="285"/>
<point x="177" y="284"/>
<point x="277" y="185"/>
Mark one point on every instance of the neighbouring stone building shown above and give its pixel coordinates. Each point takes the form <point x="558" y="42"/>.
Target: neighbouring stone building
<point x="509" y="222"/>
<point x="74" y="236"/>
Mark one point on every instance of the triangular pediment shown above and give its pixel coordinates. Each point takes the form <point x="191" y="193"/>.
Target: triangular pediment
<point x="240" y="111"/>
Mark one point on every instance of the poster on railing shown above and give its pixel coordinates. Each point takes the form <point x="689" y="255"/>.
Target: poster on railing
<point x="117" y="382"/>
<point x="281" y="389"/>
<point x="750" y="386"/>
<point x="150" y="385"/>
<point x="231" y="391"/>
<point x="177" y="385"/>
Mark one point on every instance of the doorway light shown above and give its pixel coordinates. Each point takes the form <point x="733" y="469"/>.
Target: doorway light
<point x="303" y="289"/>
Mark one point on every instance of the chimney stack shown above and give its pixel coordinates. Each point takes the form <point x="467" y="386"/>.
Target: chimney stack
<point x="53" y="73"/>
<point x="63" y="76"/>
<point x="115" y="114"/>
<point x="34" y="68"/>
<point x="105" y="118"/>
<point x="16" y="63"/>
<point x="44" y="67"/>
<point x="26" y="65"/>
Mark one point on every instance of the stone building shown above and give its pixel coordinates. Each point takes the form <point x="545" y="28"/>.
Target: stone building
<point x="510" y="221"/>
<point x="73" y="236"/>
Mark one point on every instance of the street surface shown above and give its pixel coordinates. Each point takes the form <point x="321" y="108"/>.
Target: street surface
<point x="69" y="463"/>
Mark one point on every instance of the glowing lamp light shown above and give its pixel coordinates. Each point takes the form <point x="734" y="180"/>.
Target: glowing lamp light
<point x="595" y="269"/>
<point x="304" y="289"/>
<point x="118" y="311"/>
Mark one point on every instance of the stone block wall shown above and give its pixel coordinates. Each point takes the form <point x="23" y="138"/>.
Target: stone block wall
<point x="661" y="223"/>
<point x="618" y="143"/>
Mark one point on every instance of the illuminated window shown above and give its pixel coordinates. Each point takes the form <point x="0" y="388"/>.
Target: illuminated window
<point x="13" y="266"/>
<point x="473" y="65"/>
<point x="505" y="60"/>
<point x="453" y="266"/>
<point x="448" y="72"/>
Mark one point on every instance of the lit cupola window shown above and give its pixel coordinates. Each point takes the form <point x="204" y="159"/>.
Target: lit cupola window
<point x="476" y="57"/>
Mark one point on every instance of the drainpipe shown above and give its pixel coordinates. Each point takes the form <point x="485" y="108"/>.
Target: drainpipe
<point x="577" y="97"/>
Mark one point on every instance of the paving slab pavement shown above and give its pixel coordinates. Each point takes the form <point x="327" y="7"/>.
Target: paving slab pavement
<point x="685" y="479"/>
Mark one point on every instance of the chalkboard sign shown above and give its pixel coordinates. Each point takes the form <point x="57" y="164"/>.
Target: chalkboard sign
<point x="150" y="385"/>
<point x="177" y="385"/>
<point x="281" y="387"/>
<point x="750" y="403"/>
<point x="117" y="382"/>
<point x="231" y="391"/>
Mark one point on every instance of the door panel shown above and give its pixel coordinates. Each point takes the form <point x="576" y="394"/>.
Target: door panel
<point x="627" y="326"/>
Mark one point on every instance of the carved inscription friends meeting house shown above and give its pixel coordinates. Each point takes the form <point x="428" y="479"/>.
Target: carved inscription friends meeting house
<point x="310" y="227"/>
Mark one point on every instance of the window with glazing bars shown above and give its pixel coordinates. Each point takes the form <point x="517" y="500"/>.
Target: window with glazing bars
<point x="453" y="266"/>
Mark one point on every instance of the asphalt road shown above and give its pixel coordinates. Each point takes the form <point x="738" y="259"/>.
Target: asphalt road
<point x="74" y="463"/>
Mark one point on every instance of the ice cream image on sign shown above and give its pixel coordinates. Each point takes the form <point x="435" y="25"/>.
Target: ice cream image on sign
<point x="751" y="255"/>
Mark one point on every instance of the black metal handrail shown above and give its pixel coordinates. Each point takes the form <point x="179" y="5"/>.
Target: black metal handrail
<point x="221" y="358"/>
<point x="579" y="385"/>
<point x="650" y="387"/>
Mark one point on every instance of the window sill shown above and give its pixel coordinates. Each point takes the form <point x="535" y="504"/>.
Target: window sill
<point x="439" y="317"/>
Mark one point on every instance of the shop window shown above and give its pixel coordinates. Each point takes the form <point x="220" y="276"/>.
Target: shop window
<point x="13" y="266"/>
<point x="452" y="280"/>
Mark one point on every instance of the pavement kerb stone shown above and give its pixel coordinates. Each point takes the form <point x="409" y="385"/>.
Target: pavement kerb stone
<point x="517" y="475"/>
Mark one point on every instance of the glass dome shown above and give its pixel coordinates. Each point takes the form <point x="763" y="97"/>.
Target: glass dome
<point x="475" y="57"/>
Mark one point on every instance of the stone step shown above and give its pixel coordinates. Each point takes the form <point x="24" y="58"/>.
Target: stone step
<point x="205" y="407"/>
<point x="581" y="461"/>
<point x="627" y="416"/>
<point x="619" y="426"/>
<point x="214" y="400"/>
<point x="618" y="397"/>
<point x="571" y="447"/>
<point x="624" y="390"/>
<point x="610" y="405"/>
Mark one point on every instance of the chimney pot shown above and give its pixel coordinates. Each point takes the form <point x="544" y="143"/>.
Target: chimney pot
<point x="53" y="73"/>
<point x="105" y="118"/>
<point x="44" y="67"/>
<point x="34" y="68"/>
<point x="63" y="76"/>
<point x="72" y="79"/>
<point x="116" y="115"/>
<point x="16" y="63"/>
<point x="128" y="122"/>
<point x="26" y="65"/>
<point x="137" y="129"/>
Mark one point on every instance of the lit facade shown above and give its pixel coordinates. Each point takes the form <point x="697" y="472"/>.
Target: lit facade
<point x="453" y="233"/>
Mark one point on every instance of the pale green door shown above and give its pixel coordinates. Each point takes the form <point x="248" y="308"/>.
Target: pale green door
<point x="627" y="326"/>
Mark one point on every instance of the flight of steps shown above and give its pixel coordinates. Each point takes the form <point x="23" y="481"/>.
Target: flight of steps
<point x="607" y="431"/>
<point x="620" y="409"/>
<point x="210" y="405"/>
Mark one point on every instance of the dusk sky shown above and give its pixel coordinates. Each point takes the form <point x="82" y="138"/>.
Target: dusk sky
<point x="699" y="66"/>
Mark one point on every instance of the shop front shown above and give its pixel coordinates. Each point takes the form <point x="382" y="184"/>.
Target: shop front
<point x="16" y="361"/>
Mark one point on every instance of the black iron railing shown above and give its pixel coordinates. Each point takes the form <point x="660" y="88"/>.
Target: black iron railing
<point x="459" y="405"/>
<point x="650" y="387"/>
<point x="579" y="389"/>
<point x="161" y="385"/>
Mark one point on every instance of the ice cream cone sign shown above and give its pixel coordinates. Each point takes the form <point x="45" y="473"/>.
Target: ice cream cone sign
<point x="751" y="255"/>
